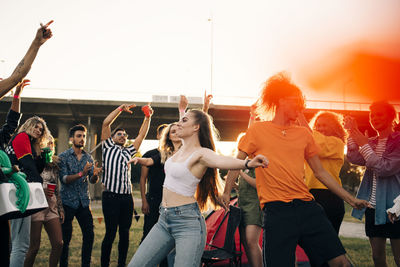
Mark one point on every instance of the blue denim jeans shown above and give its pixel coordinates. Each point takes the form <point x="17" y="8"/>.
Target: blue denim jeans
<point x="20" y="237"/>
<point x="182" y="228"/>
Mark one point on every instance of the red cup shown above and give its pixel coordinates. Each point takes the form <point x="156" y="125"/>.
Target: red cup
<point x="52" y="187"/>
<point x="146" y="110"/>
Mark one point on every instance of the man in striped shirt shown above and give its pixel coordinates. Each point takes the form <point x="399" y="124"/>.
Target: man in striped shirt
<point x="117" y="199"/>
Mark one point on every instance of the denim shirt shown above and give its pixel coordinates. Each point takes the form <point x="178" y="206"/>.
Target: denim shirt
<point x="75" y="193"/>
<point x="387" y="170"/>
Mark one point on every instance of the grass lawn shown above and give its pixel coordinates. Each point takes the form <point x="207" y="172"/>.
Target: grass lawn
<point x="358" y="250"/>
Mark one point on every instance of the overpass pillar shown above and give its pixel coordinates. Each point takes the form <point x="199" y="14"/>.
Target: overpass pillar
<point x="62" y="138"/>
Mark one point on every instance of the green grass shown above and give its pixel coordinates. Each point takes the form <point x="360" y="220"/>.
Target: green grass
<point x="358" y="250"/>
<point x="99" y="232"/>
<point x="348" y="217"/>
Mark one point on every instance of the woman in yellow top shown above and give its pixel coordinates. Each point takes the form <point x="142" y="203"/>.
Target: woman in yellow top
<point x="329" y="134"/>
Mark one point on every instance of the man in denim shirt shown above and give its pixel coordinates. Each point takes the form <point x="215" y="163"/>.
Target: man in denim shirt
<point x="76" y="168"/>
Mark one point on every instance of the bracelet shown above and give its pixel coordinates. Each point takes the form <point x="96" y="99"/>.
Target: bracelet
<point x="120" y="109"/>
<point x="182" y="110"/>
<point x="247" y="164"/>
<point x="80" y="174"/>
<point x="16" y="96"/>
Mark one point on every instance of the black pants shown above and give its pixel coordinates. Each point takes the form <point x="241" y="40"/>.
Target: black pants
<point x="332" y="204"/>
<point x="298" y="222"/>
<point x="118" y="211"/>
<point x="4" y="243"/>
<point x="151" y="219"/>
<point x="85" y="220"/>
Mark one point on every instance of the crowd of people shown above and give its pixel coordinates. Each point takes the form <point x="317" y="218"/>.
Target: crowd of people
<point x="288" y="170"/>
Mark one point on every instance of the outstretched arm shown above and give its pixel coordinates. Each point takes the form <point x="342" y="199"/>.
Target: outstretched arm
<point x="22" y="69"/>
<point x="210" y="159"/>
<point x="322" y="175"/>
<point x="106" y="127"/>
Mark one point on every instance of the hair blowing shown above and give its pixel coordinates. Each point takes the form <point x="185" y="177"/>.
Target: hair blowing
<point x="208" y="189"/>
<point x="276" y="88"/>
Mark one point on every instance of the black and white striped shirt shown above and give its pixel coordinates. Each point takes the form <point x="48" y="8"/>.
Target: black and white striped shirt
<point x="115" y="167"/>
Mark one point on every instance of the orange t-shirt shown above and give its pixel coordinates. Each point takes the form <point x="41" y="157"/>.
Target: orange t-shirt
<point x="286" y="148"/>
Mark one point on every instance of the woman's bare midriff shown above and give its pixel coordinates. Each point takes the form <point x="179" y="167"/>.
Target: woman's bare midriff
<point x="172" y="199"/>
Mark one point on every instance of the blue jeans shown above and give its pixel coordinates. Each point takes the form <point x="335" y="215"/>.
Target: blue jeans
<point x="182" y="228"/>
<point x="20" y="237"/>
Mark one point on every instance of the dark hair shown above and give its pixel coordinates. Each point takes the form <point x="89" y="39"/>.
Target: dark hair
<point x="208" y="189"/>
<point x="78" y="127"/>
<point x="389" y="110"/>
<point x="160" y="128"/>
<point x="275" y="88"/>
<point x="117" y="130"/>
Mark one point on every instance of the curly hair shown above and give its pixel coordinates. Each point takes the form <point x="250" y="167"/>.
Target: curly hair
<point x="30" y="124"/>
<point x="276" y="88"/>
<point x="335" y="119"/>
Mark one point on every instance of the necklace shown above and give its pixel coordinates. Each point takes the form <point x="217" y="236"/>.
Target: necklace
<point x="283" y="132"/>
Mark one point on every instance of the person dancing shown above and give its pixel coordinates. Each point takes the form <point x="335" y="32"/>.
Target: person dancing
<point x="190" y="184"/>
<point x="381" y="182"/>
<point x="291" y="216"/>
<point x="329" y="134"/>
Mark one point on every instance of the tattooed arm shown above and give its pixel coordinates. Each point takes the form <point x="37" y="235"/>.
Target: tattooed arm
<point x="42" y="35"/>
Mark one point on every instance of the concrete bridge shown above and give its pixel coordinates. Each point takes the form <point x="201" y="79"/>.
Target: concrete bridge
<point x="61" y="114"/>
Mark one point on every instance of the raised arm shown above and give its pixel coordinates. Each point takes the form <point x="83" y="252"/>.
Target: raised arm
<point x="106" y="127"/>
<point x="301" y="119"/>
<point x="207" y="101"/>
<point x="16" y="102"/>
<point x="325" y="178"/>
<point x="144" y="129"/>
<point x="22" y="69"/>
<point x="183" y="104"/>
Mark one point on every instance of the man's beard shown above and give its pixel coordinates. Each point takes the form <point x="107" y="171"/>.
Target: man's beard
<point x="78" y="145"/>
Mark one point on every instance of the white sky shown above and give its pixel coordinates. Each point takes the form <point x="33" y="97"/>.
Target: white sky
<point x="126" y="49"/>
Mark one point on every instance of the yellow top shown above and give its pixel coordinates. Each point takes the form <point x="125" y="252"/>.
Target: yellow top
<point x="331" y="156"/>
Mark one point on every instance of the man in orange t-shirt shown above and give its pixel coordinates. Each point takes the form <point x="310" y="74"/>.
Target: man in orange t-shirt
<point x="291" y="216"/>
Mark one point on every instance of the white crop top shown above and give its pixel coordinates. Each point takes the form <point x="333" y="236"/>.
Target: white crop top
<point x="179" y="179"/>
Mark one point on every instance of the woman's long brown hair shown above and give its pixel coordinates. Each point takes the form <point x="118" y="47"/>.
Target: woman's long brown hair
<point x="209" y="187"/>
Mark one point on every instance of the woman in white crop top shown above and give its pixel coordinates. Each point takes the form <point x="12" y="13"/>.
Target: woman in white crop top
<point x="190" y="183"/>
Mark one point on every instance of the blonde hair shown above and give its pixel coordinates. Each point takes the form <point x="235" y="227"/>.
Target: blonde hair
<point x="336" y="120"/>
<point x="30" y="124"/>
